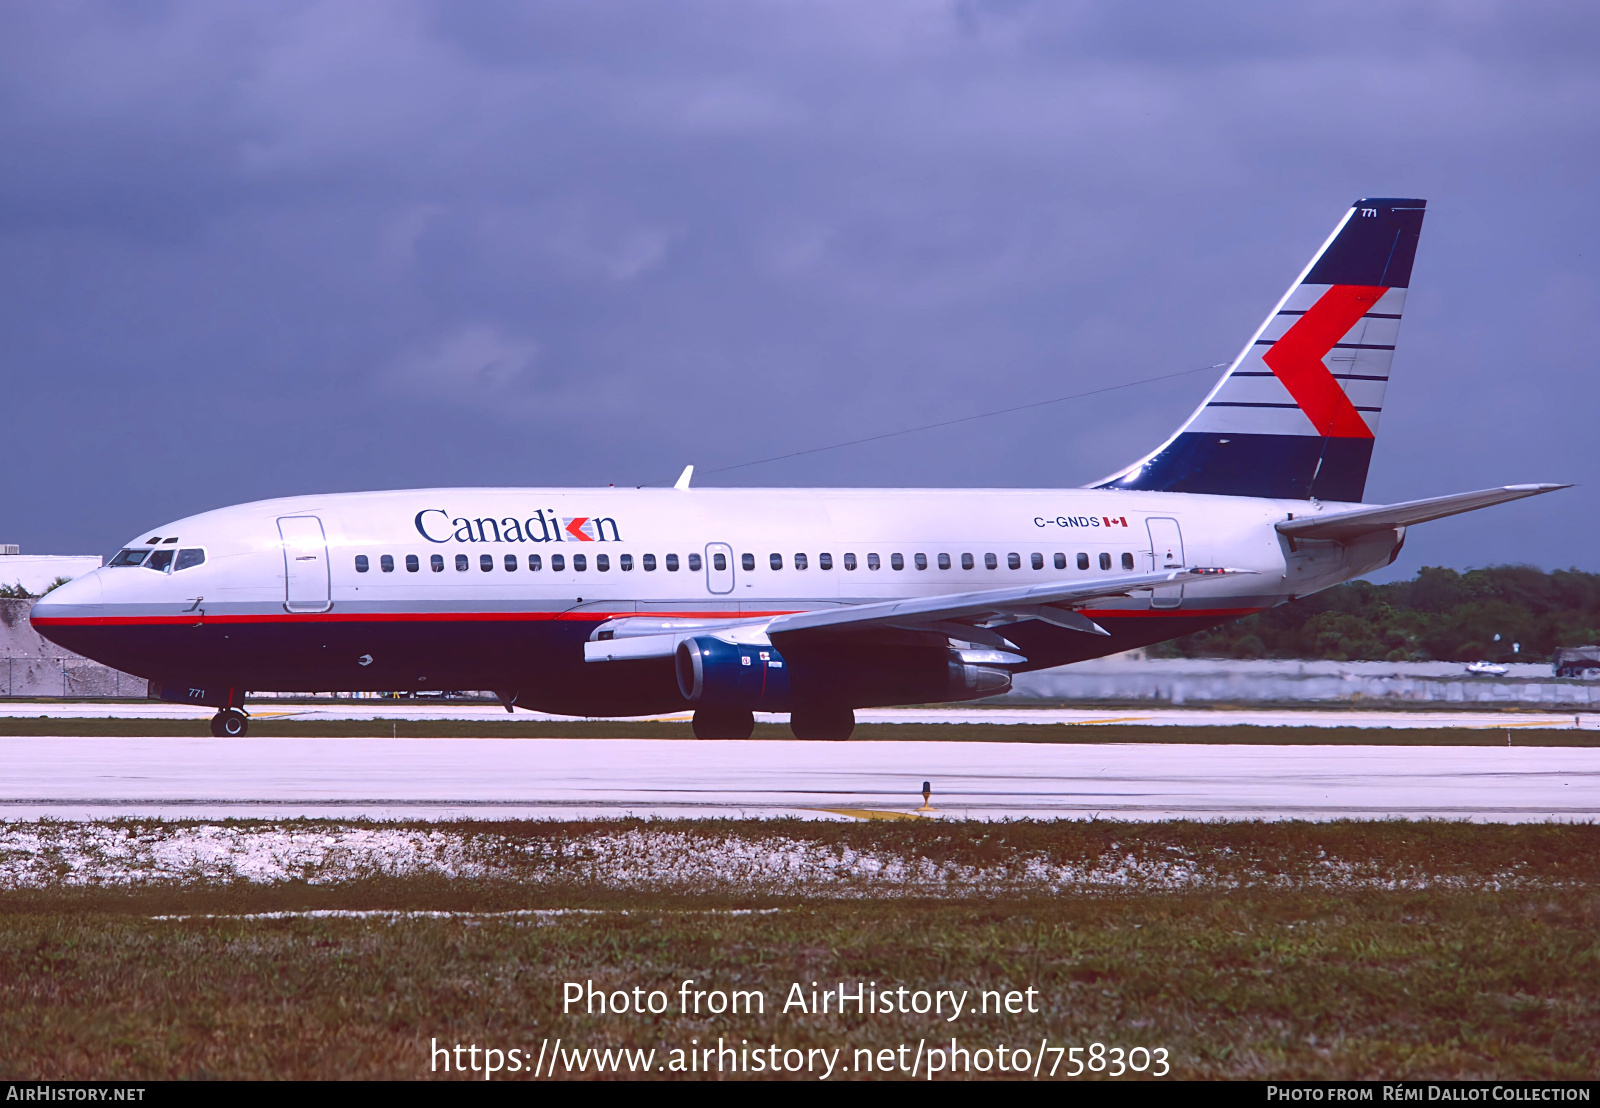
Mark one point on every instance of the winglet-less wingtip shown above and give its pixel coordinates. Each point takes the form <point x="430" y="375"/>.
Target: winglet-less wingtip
<point x="683" y="478"/>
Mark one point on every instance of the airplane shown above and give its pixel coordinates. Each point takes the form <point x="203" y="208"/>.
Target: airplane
<point x="814" y="602"/>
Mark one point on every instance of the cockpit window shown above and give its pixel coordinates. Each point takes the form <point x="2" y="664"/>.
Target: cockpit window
<point x="173" y="539"/>
<point x="188" y="558"/>
<point x="161" y="561"/>
<point x="129" y="557"/>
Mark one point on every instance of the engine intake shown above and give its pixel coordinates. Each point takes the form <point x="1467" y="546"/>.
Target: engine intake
<point x="715" y="672"/>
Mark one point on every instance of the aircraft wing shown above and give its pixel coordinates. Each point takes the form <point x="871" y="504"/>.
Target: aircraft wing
<point x="956" y="615"/>
<point x="1349" y="525"/>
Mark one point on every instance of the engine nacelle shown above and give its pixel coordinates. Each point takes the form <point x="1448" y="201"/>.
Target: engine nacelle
<point x="715" y="672"/>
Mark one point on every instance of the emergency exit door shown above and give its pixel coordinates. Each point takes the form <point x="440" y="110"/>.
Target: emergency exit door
<point x="719" y="567"/>
<point x="307" y="586"/>
<point x="1166" y="552"/>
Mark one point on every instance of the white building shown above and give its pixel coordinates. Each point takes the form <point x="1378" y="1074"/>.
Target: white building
<point x="35" y="572"/>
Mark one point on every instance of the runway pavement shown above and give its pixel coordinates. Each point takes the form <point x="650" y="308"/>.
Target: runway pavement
<point x="95" y="778"/>
<point x="1008" y="716"/>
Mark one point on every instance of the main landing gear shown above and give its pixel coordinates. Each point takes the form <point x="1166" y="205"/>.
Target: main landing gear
<point x="230" y="723"/>
<point x="723" y="723"/>
<point x="822" y="723"/>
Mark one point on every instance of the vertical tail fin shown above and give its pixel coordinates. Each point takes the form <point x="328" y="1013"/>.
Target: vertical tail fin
<point x="1295" y="415"/>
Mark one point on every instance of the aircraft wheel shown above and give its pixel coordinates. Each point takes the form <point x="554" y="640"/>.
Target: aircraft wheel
<point x="723" y="723"/>
<point x="824" y="724"/>
<point x="230" y="723"/>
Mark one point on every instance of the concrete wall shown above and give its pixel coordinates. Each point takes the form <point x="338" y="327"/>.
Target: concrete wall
<point x="33" y="666"/>
<point x="1202" y="681"/>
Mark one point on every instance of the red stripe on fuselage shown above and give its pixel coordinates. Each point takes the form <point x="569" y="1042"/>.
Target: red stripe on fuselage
<point x="189" y="619"/>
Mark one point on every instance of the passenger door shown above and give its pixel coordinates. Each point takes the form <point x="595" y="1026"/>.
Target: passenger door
<point x="307" y="586"/>
<point x="1166" y="552"/>
<point x="719" y="567"/>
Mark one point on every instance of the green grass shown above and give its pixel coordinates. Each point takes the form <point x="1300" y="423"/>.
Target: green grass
<point x="1456" y="980"/>
<point x="1223" y="734"/>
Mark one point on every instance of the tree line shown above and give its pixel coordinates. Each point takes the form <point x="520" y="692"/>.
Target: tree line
<point x="1499" y="614"/>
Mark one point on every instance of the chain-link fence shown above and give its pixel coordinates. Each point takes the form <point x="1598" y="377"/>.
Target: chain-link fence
<point x="71" y="677"/>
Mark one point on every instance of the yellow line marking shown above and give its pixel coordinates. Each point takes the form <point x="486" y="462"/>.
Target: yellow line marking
<point x="1534" y="723"/>
<point x="866" y="813"/>
<point x="1113" y="719"/>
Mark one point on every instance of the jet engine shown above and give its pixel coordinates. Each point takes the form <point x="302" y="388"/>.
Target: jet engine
<point x="714" y="672"/>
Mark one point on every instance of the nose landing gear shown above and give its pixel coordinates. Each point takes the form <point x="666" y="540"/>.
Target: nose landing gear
<point x="230" y="723"/>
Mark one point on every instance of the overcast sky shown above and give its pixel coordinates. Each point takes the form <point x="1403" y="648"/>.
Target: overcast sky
<point x="257" y="250"/>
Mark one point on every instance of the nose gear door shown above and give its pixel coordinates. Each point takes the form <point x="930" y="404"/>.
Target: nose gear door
<point x="307" y="586"/>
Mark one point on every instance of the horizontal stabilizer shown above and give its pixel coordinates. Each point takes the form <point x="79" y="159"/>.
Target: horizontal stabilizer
<point x="1362" y="521"/>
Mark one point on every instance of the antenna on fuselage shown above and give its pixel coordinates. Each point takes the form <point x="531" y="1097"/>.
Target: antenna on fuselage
<point x="683" y="478"/>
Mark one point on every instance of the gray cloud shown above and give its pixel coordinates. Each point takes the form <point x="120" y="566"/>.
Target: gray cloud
<point x="256" y="250"/>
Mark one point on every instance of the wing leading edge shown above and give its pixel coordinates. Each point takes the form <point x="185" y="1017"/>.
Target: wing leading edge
<point x="964" y="616"/>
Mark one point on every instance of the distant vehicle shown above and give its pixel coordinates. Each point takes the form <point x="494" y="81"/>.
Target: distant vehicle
<point x="1487" y="669"/>
<point x="1576" y="661"/>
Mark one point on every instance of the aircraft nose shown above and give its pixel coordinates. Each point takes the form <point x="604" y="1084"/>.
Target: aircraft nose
<point x="73" y="598"/>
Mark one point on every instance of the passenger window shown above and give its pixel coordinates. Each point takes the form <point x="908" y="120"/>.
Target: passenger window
<point x="362" y="565"/>
<point x="966" y="561"/>
<point x="746" y="560"/>
<point x="921" y="561"/>
<point x="511" y="563"/>
<point x="557" y="563"/>
<point x="1105" y="561"/>
<point x="775" y="561"/>
<point x="1036" y="560"/>
<point x="672" y="563"/>
<point x="1013" y="560"/>
<point x="1127" y="560"/>
<point x="989" y="562"/>
<point x="486" y="562"/>
<point x="160" y="561"/>
<point x="1061" y="561"/>
<point x="800" y="561"/>
<point x="189" y="558"/>
<point x="386" y="563"/>
<point x="625" y="562"/>
<point x="413" y="563"/>
<point x="534" y="564"/>
<point x="695" y="563"/>
<point x="602" y="563"/>
<point x="436" y="563"/>
<point x="461" y="563"/>
<point x="896" y="562"/>
<point x="824" y="561"/>
<point x="720" y="561"/>
<point x="649" y="561"/>
<point x="873" y="563"/>
<point x="849" y="561"/>
<point x="580" y="562"/>
<point x="944" y="561"/>
<point x="1083" y="561"/>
